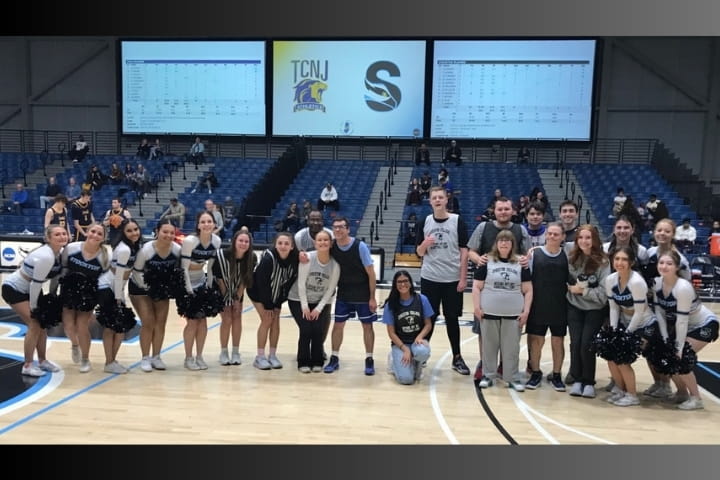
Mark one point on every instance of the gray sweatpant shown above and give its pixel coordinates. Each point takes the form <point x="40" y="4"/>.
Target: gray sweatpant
<point x="501" y="336"/>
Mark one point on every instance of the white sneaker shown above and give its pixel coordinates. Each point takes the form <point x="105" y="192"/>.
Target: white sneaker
<point x="485" y="382"/>
<point x="516" y="385"/>
<point x="627" y="400"/>
<point x="224" y="358"/>
<point x="157" y="363"/>
<point x="32" y="371"/>
<point x="304" y="369"/>
<point x="261" y="363"/>
<point x="615" y="394"/>
<point x="576" y="390"/>
<point x="200" y="362"/>
<point x="235" y="359"/>
<point x="114" y="367"/>
<point x="75" y="353"/>
<point x="664" y="390"/>
<point x="48" y="366"/>
<point x="692" y="403"/>
<point x="146" y="365"/>
<point x="651" y="389"/>
<point x="274" y="362"/>
<point x="588" y="391"/>
<point x="317" y="369"/>
<point x="85" y="366"/>
<point x="190" y="364"/>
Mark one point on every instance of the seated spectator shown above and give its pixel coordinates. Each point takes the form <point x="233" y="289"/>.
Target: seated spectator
<point x="410" y="230"/>
<point x="175" y="213"/>
<point x="197" y="152"/>
<point x="328" y="198"/>
<point x="156" y="150"/>
<point x="422" y="155"/>
<point x="618" y="202"/>
<point x="425" y="184"/>
<point x="522" y="208"/>
<point x="72" y="191"/>
<point x="209" y="181"/>
<point x="306" y="209"/>
<point x="685" y="236"/>
<point x="453" y="204"/>
<point x="129" y="172"/>
<point x="116" y="175"/>
<point x="95" y="178"/>
<point x="443" y="176"/>
<point x="291" y="220"/>
<point x="51" y="191"/>
<point x="524" y="155"/>
<point x="143" y="150"/>
<point x="414" y="197"/>
<point x="656" y="210"/>
<point x="140" y="181"/>
<point x="497" y="194"/>
<point x="79" y="150"/>
<point x="453" y="154"/>
<point x="19" y="199"/>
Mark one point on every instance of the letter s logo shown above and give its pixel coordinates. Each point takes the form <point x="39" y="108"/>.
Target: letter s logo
<point x="383" y="96"/>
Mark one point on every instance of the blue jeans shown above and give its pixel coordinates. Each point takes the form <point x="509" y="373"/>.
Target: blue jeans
<point x="405" y="374"/>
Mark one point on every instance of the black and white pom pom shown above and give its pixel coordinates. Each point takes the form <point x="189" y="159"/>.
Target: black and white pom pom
<point x="617" y="345"/>
<point x="78" y="292"/>
<point x="687" y="362"/>
<point x="116" y="317"/>
<point x="49" y="311"/>
<point x="661" y="355"/>
<point x="163" y="283"/>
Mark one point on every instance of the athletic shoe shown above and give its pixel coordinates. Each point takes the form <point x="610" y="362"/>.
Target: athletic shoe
<point x="304" y="369"/>
<point x="261" y="363"/>
<point x="609" y="386"/>
<point x="274" y="362"/>
<point x="146" y="365"/>
<point x="190" y="364"/>
<point x="615" y="394"/>
<point x="459" y="366"/>
<point x="114" y="367"/>
<point x="418" y="371"/>
<point x="200" y="362"/>
<point x="32" y="371"/>
<point x="369" y="366"/>
<point x="627" y="400"/>
<point x="317" y="369"/>
<point x="588" y="391"/>
<point x="235" y="359"/>
<point x="157" y="363"/>
<point x="576" y="390"/>
<point x="485" y="382"/>
<point x="557" y="383"/>
<point x="48" y="366"/>
<point x="569" y="379"/>
<point x="677" y="398"/>
<point x="224" y="358"/>
<point x="534" y="381"/>
<point x="75" y="354"/>
<point x="85" y="366"/>
<point x="664" y="390"/>
<point x="332" y="365"/>
<point x="517" y="386"/>
<point x="651" y="389"/>
<point x="692" y="403"/>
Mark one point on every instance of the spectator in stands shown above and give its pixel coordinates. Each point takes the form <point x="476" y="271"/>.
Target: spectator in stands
<point x="209" y="181"/>
<point x="497" y="194"/>
<point x="422" y="155"/>
<point x="306" y="209"/>
<point x="129" y="172"/>
<point x="453" y="154"/>
<point x="410" y="235"/>
<point x="540" y="197"/>
<point x="228" y="209"/>
<point x="72" y="191"/>
<point x="618" y="202"/>
<point x="143" y="150"/>
<point x="414" y="197"/>
<point x="524" y="155"/>
<point x="95" y="178"/>
<point x="453" y="204"/>
<point x="175" y="213"/>
<point x="291" y="220"/>
<point x="217" y="215"/>
<point x="140" y="181"/>
<point x="19" y="198"/>
<point x="57" y="214"/>
<point x="328" y="198"/>
<point x="522" y="207"/>
<point x="116" y="175"/>
<point x="51" y="191"/>
<point x="113" y="220"/>
<point x="156" y="150"/>
<point x="425" y="184"/>
<point x="656" y="210"/>
<point x="443" y="178"/>
<point x="82" y="216"/>
<point x="79" y="150"/>
<point x="197" y="152"/>
<point x="685" y="236"/>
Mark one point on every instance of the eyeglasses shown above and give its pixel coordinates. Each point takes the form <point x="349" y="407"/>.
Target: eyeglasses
<point x="338" y="227"/>
<point x="402" y="282"/>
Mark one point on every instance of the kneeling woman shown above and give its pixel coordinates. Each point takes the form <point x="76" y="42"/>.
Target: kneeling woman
<point x="408" y="318"/>
<point x="687" y="319"/>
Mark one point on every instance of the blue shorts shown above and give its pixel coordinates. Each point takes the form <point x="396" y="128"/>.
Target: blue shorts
<point x="344" y="310"/>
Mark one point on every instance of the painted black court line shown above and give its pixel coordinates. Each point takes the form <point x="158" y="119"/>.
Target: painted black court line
<point x="492" y="417"/>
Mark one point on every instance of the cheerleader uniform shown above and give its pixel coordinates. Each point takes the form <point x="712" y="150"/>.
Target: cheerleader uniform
<point x="25" y="283"/>
<point x="111" y="284"/>
<point x="194" y="252"/>
<point x="629" y="306"/>
<point x="79" y="273"/>
<point x="149" y="262"/>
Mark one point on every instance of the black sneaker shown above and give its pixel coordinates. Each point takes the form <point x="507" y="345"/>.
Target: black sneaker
<point x="534" y="381"/>
<point x="332" y="365"/>
<point x="557" y="383"/>
<point x="459" y="366"/>
<point x="369" y="366"/>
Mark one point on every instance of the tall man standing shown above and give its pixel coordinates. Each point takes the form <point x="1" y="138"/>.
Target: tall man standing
<point x="443" y="275"/>
<point x="356" y="292"/>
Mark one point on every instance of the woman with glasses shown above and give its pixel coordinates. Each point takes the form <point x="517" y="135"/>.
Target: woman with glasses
<point x="408" y="316"/>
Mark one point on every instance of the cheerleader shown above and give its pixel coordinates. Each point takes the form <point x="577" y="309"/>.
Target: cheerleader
<point x="197" y="251"/>
<point x="111" y="294"/>
<point x="83" y="263"/>
<point x="272" y="280"/>
<point x="688" y="320"/>
<point x="22" y="288"/>
<point x="234" y="271"/>
<point x="627" y="298"/>
<point x="151" y="287"/>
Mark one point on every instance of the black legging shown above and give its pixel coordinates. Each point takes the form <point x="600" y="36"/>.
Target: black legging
<point x="312" y="334"/>
<point x="583" y="325"/>
<point x="451" y="299"/>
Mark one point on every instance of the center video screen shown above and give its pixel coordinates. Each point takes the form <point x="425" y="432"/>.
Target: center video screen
<point x="349" y="88"/>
